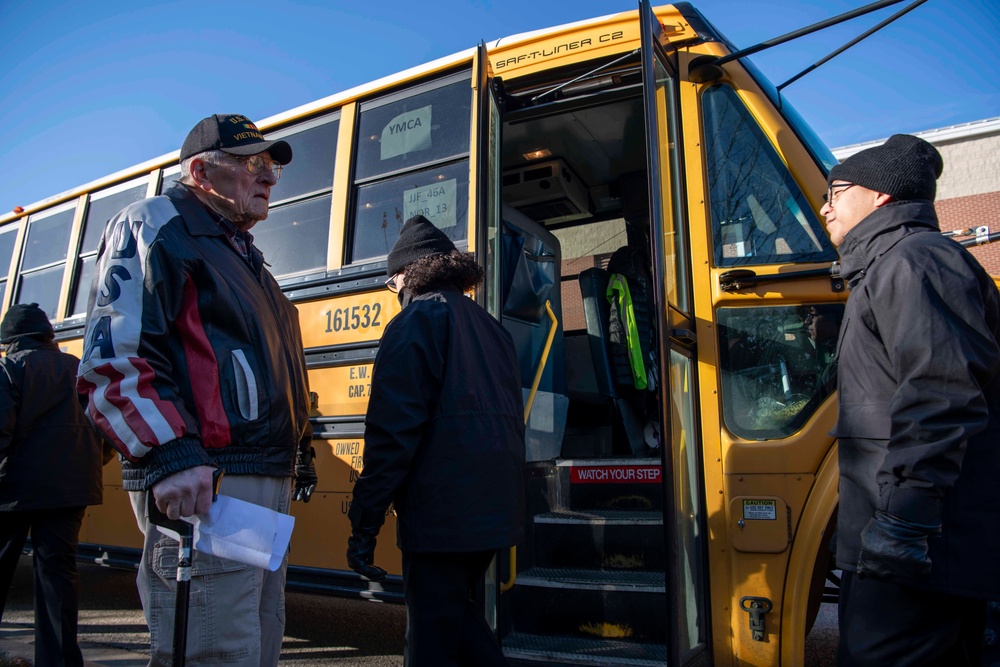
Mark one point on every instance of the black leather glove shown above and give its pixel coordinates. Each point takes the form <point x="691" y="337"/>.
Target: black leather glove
<point x="361" y="545"/>
<point x="892" y="547"/>
<point x="305" y="475"/>
<point x="360" y="557"/>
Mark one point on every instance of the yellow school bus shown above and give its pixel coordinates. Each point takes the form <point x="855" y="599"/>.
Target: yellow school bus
<point x="651" y="238"/>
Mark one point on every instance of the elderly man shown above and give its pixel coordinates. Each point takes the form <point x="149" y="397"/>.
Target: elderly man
<point x="919" y="421"/>
<point x="193" y="361"/>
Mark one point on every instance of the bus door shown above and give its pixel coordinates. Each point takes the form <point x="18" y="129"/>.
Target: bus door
<point x="586" y="221"/>
<point x="683" y="518"/>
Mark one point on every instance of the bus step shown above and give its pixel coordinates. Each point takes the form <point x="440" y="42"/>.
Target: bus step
<point x="621" y="484"/>
<point x="591" y="604"/>
<point x="525" y="649"/>
<point x="604" y="580"/>
<point x="600" y="539"/>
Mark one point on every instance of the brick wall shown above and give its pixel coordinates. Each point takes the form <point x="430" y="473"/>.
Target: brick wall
<point x="972" y="211"/>
<point x="968" y="192"/>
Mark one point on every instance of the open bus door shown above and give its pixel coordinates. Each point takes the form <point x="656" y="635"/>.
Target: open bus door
<point x="686" y="583"/>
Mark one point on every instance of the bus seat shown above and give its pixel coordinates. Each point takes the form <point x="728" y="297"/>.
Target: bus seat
<point x="596" y="311"/>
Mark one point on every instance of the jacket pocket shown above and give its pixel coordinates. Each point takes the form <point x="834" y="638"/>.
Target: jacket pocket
<point x="246" y="386"/>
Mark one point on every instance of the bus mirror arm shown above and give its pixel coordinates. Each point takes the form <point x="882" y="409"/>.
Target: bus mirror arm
<point x="708" y="69"/>
<point x="738" y="280"/>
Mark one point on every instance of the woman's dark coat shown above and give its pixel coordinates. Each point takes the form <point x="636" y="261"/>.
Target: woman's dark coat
<point x="444" y="433"/>
<point x="53" y="456"/>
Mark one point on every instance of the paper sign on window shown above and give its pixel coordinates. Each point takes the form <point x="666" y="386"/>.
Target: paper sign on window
<point x="407" y="132"/>
<point x="436" y="202"/>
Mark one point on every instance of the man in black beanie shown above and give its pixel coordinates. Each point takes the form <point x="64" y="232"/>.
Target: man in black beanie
<point x="919" y="418"/>
<point x="444" y="444"/>
<point x="50" y="471"/>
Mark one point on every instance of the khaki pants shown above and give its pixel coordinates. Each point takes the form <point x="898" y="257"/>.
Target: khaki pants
<point x="236" y="612"/>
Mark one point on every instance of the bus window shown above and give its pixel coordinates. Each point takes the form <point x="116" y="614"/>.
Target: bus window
<point x="295" y="235"/>
<point x="102" y="206"/>
<point x="759" y="214"/>
<point x="44" y="259"/>
<point x="170" y="176"/>
<point x="777" y="366"/>
<point x="8" y="238"/>
<point x="426" y="129"/>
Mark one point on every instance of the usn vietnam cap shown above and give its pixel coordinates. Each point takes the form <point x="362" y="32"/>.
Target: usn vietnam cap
<point x="234" y="134"/>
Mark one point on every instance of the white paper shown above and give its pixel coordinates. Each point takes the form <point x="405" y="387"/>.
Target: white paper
<point x="436" y="202"/>
<point x="409" y="131"/>
<point x="241" y="531"/>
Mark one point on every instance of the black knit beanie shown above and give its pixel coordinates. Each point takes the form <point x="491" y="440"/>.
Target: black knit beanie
<point x="25" y="319"/>
<point x="418" y="238"/>
<point x="905" y="167"/>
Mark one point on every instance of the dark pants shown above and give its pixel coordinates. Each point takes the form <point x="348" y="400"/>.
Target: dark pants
<point x="882" y="623"/>
<point x="55" y="534"/>
<point x="444" y="627"/>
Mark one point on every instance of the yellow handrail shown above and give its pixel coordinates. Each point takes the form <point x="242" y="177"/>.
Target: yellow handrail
<point x="542" y="362"/>
<point x="509" y="584"/>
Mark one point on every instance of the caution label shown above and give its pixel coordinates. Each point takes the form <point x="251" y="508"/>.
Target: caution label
<point x="616" y="475"/>
<point x="760" y="510"/>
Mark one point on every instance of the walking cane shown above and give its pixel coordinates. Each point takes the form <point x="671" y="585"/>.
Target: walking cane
<point x="184" y="546"/>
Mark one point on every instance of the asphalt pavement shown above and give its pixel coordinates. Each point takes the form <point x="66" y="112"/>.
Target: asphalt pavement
<point x="320" y="630"/>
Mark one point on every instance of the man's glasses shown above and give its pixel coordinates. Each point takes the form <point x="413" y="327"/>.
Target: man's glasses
<point x="390" y="284"/>
<point x="256" y="164"/>
<point x="835" y="190"/>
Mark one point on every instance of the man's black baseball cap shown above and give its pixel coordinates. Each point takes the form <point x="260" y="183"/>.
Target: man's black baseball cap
<point x="233" y="134"/>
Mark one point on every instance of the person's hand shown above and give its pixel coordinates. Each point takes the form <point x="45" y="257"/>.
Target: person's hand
<point x="365" y="525"/>
<point x="893" y="548"/>
<point x="361" y="556"/>
<point x="185" y="493"/>
<point x="305" y="475"/>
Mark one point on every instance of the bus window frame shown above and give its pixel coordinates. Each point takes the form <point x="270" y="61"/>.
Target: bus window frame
<point x="462" y="74"/>
<point x="74" y="284"/>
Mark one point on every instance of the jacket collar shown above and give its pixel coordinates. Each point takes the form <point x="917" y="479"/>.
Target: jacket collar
<point x="198" y="218"/>
<point x="880" y="231"/>
<point x="202" y="221"/>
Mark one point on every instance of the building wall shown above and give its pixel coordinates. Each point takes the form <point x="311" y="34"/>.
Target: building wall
<point x="968" y="192"/>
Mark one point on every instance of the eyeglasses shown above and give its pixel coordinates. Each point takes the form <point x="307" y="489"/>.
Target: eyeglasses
<point x="256" y="164"/>
<point x="391" y="285"/>
<point x="834" y="191"/>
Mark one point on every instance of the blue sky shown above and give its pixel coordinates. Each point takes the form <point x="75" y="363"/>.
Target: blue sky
<point x="87" y="89"/>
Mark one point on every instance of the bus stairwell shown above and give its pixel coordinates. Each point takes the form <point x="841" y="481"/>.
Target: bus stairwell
<point x="590" y="586"/>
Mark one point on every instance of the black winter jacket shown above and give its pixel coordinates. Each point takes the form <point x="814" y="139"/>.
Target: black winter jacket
<point x="192" y="356"/>
<point x="919" y="395"/>
<point x="53" y="457"/>
<point x="444" y="435"/>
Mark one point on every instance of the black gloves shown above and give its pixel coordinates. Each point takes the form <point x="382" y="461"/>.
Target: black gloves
<point x="305" y="475"/>
<point x="361" y="544"/>
<point x="892" y="547"/>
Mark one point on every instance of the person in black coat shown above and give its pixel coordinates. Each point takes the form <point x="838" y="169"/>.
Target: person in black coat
<point x="919" y="418"/>
<point x="444" y="444"/>
<point x="50" y="471"/>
